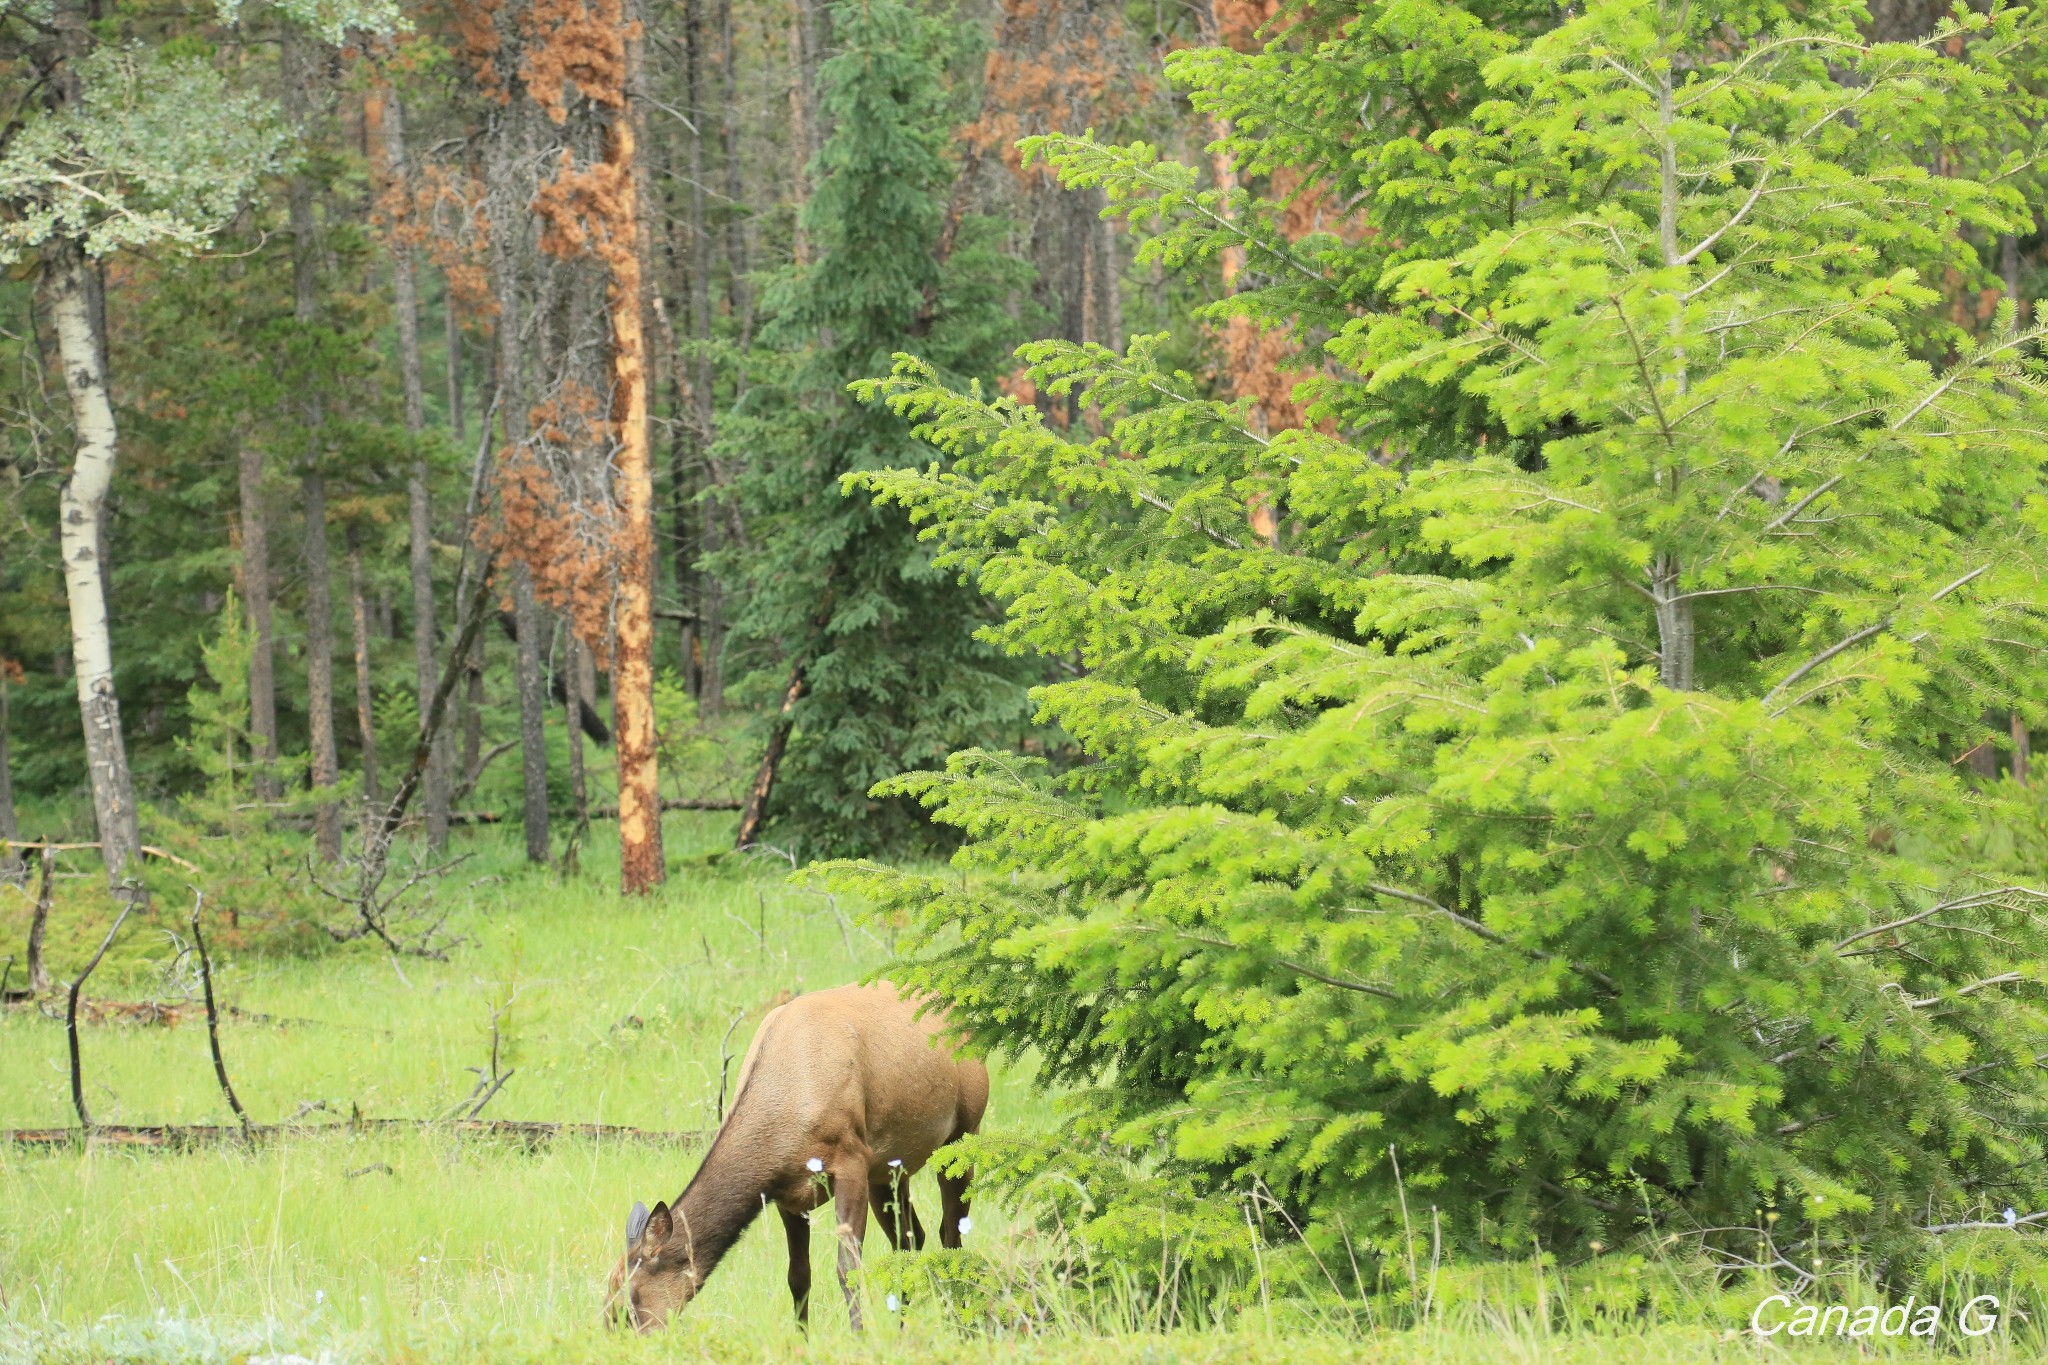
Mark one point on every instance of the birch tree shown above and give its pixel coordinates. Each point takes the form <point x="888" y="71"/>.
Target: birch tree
<point x="130" y="149"/>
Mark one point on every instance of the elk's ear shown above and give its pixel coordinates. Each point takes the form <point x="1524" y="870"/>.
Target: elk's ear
<point x="636" y="1223"/>
<point x="658" y="1225"/>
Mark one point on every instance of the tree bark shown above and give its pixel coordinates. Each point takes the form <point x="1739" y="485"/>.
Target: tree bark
<point x="256" y="595"/>
<point x="572" y="713"/>
<point x="1675" y="640"/>
<point x="359" y="619"/>
<point x="419" y="508"/>
<point x="533" y="701"/>
<point x="755" y="811"/>
<point x="451" y="337"/>
<point x="82" y="515"/>
<point x="641" y="864"/>
<point x="10" y="864"/>
<point x="510" y="248"/>
<point x="326" y="766"/>
<point x="299" y="77"/>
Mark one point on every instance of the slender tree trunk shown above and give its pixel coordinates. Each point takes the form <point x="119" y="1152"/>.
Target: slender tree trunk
<point x="300" y="60"/>
<point x="326" y="766"/>
<point x="755" y="811"/>
<point x="473" y="713"/>
<point x="10" y="862"/>
<point x="573" y="698"/>
<point x="451" y="337"/>
<point x="739" y="293"/>
<point x="256" y="594"/>
<point x="419" y="508"/>
<point x="1111" y="272"/>
<point x="641" y="865"/>
<point x="512" y="249"/>
<point x="533" y="742"/>
<point x="359" y="619"/>
<point x="82" y="514"/>
<point x="1675" y="642"/>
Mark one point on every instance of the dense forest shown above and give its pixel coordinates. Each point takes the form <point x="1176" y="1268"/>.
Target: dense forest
<point x="1461" y="583"/>
<point x="367" y="288"/>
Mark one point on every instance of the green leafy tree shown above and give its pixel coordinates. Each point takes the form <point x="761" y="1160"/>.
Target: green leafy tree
<point x="892" y="674"/>
<point x="1562" y="801"/>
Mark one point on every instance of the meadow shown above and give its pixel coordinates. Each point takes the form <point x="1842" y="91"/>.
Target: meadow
<point x="418" y="1244"/>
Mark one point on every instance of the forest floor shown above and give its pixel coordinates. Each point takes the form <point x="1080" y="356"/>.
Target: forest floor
<point x="426" y="1244"/>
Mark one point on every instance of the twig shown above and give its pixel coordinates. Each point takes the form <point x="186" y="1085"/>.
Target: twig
<point x="1994" y="1223"/>
<point x="220" y="1067"/>
<point x="71" y="1014"/>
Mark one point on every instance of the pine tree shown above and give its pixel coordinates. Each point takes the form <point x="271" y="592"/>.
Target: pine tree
<point x="884" y="672"/>
<point x="1562" y="802"/>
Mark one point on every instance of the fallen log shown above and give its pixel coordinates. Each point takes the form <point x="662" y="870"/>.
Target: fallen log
<point x="188" y="1136"/>
<point x="668" y="803"/>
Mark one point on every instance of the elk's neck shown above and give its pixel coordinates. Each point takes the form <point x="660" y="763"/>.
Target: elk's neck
<point x="723" y="1198"/>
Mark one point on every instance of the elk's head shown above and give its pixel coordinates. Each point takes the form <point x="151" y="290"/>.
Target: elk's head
<point x="656" y="1276"/>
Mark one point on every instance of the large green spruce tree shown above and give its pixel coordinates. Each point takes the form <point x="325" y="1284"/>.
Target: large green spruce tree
<point x="1555" y="821"/>
<point x="837" y="592"/>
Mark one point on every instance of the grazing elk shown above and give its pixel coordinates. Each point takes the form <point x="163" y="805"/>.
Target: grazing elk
<point x="844" y="1095"/>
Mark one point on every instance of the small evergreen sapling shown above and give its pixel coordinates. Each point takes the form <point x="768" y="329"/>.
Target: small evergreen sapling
<point x="1563" y="800"/>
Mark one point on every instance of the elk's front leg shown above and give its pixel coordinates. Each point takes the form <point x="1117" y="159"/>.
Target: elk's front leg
<point x="850" y="1200"/>
<point x="797" y="1228"/>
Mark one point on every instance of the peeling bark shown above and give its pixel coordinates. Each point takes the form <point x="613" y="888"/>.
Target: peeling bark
<point x="641" y="865"/>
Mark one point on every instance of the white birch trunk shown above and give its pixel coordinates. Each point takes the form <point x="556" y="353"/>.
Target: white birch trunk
<point x="82" y="519"/>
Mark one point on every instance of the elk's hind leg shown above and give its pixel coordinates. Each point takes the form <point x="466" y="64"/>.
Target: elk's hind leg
<point x="952" y="1208"/>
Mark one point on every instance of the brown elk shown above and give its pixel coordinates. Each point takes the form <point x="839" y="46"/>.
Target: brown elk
<point x="844" y="1095"/>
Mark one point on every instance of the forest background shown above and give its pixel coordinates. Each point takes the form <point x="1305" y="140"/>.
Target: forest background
<point x="427" y="419"/>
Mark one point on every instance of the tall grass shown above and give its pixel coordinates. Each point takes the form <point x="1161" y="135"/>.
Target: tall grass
<point x="424" y="1245"/>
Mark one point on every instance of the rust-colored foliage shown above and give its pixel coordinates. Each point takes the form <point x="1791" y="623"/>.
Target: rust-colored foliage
<point x="567" y="536"/>
<point x="575" y="41"/>
<point x="1051" y="69"/>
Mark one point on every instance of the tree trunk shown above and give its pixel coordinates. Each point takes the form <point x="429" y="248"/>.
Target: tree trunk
<point x="256" y="594"/>
<point x="10" y="863"/>
<point x="473" y="712"/>
<point x="533" y="701"/>
<point x="359" y="619"/>
<point x="299" y="77"/>
<point x="641" y="865"/>
<point x="326" y="765"/>
<point x="1675" y="643"/>
<point x="755" y="811"/>
<point x="82" y="514"/>
<point x="451" y="337"/>
<point x="405" y="300"/>
<point x="573" y="698"/>
<point x="509" y="249"/>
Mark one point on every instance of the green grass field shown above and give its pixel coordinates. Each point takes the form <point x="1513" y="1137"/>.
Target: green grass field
<point x="404" y="1244"/>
